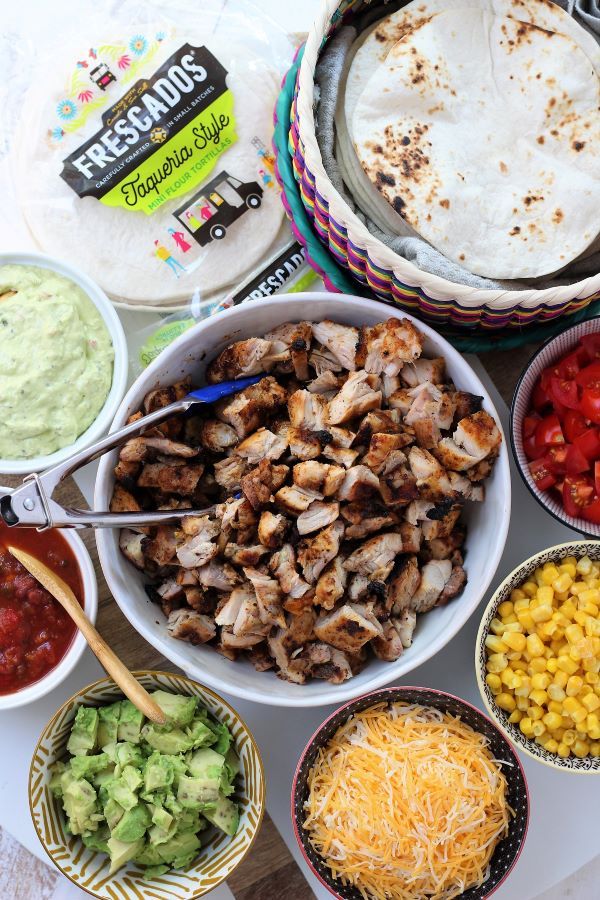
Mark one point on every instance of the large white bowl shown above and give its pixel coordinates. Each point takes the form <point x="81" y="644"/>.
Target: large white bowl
<point x="101" y="423"/>
<point x="487" y="522"/>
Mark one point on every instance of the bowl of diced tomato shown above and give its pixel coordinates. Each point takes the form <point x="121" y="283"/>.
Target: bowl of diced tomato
<point x="555" y="426"/>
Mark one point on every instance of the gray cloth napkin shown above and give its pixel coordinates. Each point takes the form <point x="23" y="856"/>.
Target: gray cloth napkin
<point x="327" y="79"/>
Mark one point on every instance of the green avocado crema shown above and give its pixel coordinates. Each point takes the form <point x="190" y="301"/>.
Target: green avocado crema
<point x="56" y="361"/>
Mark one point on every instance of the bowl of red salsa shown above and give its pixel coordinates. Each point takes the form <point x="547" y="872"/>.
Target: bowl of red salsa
<point x="555" y="426"/>
<point x="39" y="643"/>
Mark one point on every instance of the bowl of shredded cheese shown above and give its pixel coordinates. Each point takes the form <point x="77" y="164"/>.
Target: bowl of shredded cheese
<point x="409" y="793"/>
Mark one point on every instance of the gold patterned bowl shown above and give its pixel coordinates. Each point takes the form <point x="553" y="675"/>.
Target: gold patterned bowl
<point x="89" y="869"/>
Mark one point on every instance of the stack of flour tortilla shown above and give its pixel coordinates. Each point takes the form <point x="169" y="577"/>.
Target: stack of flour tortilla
<point x="129" y="253"/>
<point x="475" y="125"/>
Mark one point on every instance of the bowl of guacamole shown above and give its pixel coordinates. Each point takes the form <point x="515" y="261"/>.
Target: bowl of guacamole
<point x="64" y="362"/>
<point x="121" y="803"/>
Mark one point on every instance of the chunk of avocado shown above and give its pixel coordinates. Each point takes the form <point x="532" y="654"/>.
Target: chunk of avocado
<point x="155" y="872"/>
<point x="195" y="793"/>
<point x="89" y="766"/>
<point x="56" y="770"/>
<point x="160" y="816"/>
<point x="158" y="835"/>
<point x="108" y="722"/>
<point x="130" y="723"/>
<point x="167" y="739"/>
<point x="132" y="777"/>
<point x="113" y="812"/>
<point x="158" y="772"/>
<point x="121" y="852"/>
<point x="179" y="710"/>
<point x="97" y="840"/>
<point x="82" y="739"/>
<point x="123" y="788"/>
<point x="200" y="734"/>
<point x="133" y="824"/>
<point x="225" y="816"/>
<point x="104" y="777"/>
<point x="148" y="855"/>
<point x="206" y="763"/>
<point x="232" y="761"/>
<point x="224" y="738"/>
<point x="79" y="802"/>
<point x="180" y="849"/>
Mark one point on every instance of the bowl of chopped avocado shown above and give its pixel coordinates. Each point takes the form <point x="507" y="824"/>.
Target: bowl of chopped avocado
<point x="162" y="811"/>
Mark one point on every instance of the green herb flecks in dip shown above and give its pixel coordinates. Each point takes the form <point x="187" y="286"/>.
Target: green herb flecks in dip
<point x="56" y="361"/>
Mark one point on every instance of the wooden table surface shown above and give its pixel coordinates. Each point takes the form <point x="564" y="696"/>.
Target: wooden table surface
<point x="269" y="872"/>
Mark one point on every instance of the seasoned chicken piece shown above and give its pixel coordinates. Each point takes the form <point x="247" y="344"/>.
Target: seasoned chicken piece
<point x="218" y="575"/>
<point x="359" y="484"/>
<point x="328" y="663"/>
<point x="405" y="625"/>
<point x="241" y="555"/>
<point x="443" y="548"/>
<point x="239" y="360"/>
<point x="403" y="584"/>
<point x="433" y="370"/>
<point x="326" y="383"/>
<point x="123" y="501"/>
<point x="454" y="585"/>
<point x="295" y="499"/>
<point x="272" y="529"/>
<point x="283" y="567"/>
<point x="452" y="456"/>
<point x="440" y="521"/>
<point x="375" y="554"/>
<point x="432" y="479"/>
<point x="237" y="514"/>
<point x="430" y="403"/>
<point x="434" y="576"/>
<point x="260" y="659"/>
<point x="187" y="625"/>
<point x="140" y="448"/>
<point x="340" y="340"/>
<point x="248" y="619"/>
<point x="314" y="553"/>
<point x="398" y="487"/>
<point x="340" y="437"/>
<point x="246" y="411"/>
<point x="162" y="546"/>
<point x="402" y="399"/>
<point x="480" y="471"/>
<point x="463" y="487"/>
<point x="171" y="479"/>
<point x="196" y="551"/>
<point x="427" y="433"/>
<point x="478" y="435"/>
<point x="268" y="596"/>
<point x="130" y="545"/>
<point x="365" y="518"/>
<point x="356" y="397"/>
<point x="348" y="627"/>
<point x="389" y="385"/>
<point x="380" y="448"/>
<point x="229" y="472"/>
<point x="466" y="404"/>
<point x="307" y="410"/>
<point x="340" y="455"/>
<point x="316" y="476"/>
<point x="228" y="611"/>
<point x="293" y="670"/>
<point x="304" y="444"/>
<point x="331" y="584"/>
<point x="388" y="646"/>
<point x="200" y="600"/>
<point x="217" y="436"/>
<point x="297" y="337"/>
<point x="169" y="589"/>
<point x="385" y="347"/>
<point x="318" y="515"/>
<point x="323" y="360"/>
<point x="358" y="587"/>
<point x="186" y="577"/>
<point x="231" y="641"/>
<point x="258" y="484"/>
<point x="162" y="397"/>
<point x="263" y="444"/>
<point x="416" y="511"/>
<point x="127" y="473"/>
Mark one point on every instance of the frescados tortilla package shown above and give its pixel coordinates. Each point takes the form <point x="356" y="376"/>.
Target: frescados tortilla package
<point x="143" y="152"/>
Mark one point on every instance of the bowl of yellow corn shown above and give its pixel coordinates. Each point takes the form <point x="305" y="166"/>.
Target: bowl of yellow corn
<point x="537" y="656"/>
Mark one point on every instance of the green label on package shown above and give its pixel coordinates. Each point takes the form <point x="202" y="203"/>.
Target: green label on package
<point x="161" y="138"/>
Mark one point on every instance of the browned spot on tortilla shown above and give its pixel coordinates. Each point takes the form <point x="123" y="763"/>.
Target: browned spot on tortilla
<point x="462" y="257"/>
<point x="554" y="132"/>
<point x="503" y="167"/>
<point x="399" y="204"/>
<point x="578" y="145"/>
<point x="532" y="198"/>
<point x="380" y="36"/>
<point x="557" y="216"/>
<point x="541" y="139"/>
<point x="515" y="230"/>
<point x="532" y="227"/>
<point x="384" y="178"/>
<point x="445" y="204"/>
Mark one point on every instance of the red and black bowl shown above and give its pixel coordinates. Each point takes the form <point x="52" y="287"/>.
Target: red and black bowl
<point x="508" y="850"/>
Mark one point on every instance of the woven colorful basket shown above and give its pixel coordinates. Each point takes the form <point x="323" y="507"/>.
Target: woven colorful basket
<point x="368" y="260"/>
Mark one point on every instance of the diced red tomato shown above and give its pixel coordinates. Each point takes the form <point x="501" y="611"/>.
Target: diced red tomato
<point x="577" y="493"/>
<point x="591" y="513"/>
<point x="590" y="344"/>
<point x="542" y="474"/>
<point x="590" y="403"/>
<point x="573" y="425"/>
<point x="540" y="398"/>
<point x="564" y="393"/>
<point x="530" y="423"/>
<point x="549" y="431"/>
<point x="589" y="443"/>
<point x="571" y="364"/>
<point x="597" y="476"/>
<point x="576" y="462"/>
<point x="589" y="376"/>
<point x="557" y="458"/>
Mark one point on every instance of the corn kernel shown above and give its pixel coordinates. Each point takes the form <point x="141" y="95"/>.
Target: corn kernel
<point x="584" y="565"/>
<point x="555" y="692"/>
<point x="524" y="617"/>
<point x="516" y="594"/>
<point x="562" y="583"/>
<point x="515" y="716"/>
<point x="592" y="725"/>
<point x="552" y="720"/>
<point x="505" y="609"/>
<point x="535" y="713"/>
<point x="496" y="663"/>
<point x="574" y="633"/>
<point x="581" y="748"/>
<point x="522" y="703"/>
<point x="568" y="609"/>
<point x="510" y="679"/>
<point x="506" y="701"/>
<point x="495" y="644"/>
<point x="529" y="588"/>
<point x="555" y="706"/>
<point x="549" y="575"/>
<point x="520" y="603"/>
<point x="539" y="697"/>
<point x="579" y="716"/>
<point x="560" y="678"/>
<point x="551" y="745"/>
<point x="540" y="681"/>
<point x="590" y="596"/>
<point x="569" y="737"/>
<point x="591" y="702"/>
<point x="538" y="728"/>
<point x="534" y="645"/>
<point x="569" y="565"/>
<point x="567" y="664"/>
<point x="493" y="682"/>
<point x="538" y="664"/>
<point x="515" y="640"/>
<point x="563" y="750"/>
<point x="496" y="626"/>
<point x="560" y="619"/>
<point x="574" y="685"/>
<point x="571" y="705"/>
<point x="592" y="678"/>
<point x="526" y="727"/>
<point x="547" y="629"/>
<point x="595" y="748"/>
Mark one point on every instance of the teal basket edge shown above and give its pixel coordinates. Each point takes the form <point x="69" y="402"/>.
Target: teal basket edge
<point x="335" y="276"/>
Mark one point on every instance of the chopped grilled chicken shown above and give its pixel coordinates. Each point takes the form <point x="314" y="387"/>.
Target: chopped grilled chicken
<point x="241" y="555"/>
<point x="388" y="646"/>
<point x="340" y="455"/>
<point x="348" y="628"/>
<point x="258" y="484"/>
<point x="187" y="625"/>
<point x="323" y="360"/>
<point x="427" y="433"/>
<point x="430" y="402"/>
<point x="314" y="553"/>
<point x="237" y="514"/>
<point x="340" y="340"/>
<point x="389" y="384"/>
<point x="435" y="526"/>
<point x="283" y="567"/>
<point x="398" y="487"/>
<point x="358" y="587"/>
<point x="433" y="370"/>
<point x="200" y="600"/>
<point x="328" y="663"/>
<point x="405" y="625"/>
<point x="375" y="554"/>
<point x="378" y="421"/>
<point x="318" y="515"/>
<point x="272" y="529"/>
<point x="161" y="547"/>
<point x="307" y="410"/>
<point x="402" y="399"/>
<point x="365" y="518"/>
<point x="454" y="585"/>
<point x="167" y="447"/>
<point x="434" y="576"/>
<point x="134" y="450"/>
<point x="171" y="479"/>
<point x="432" y="479"/>
<point x="356" y="397"/>
<point x="196" y="552"/>
<point x="293" y="670"/>
<point x="232" y="641"/>
<point x="162" y="397"/>
<point x="297" y="337"/>
<point x="417" y="511"/>
<point x="268" y="596"/>
<point x="466" y="404"/>
<point x="229" y="472"/>
<point x="331" y="584"/>
<point x="478" y="435"/>
<point x="381" y="446"/>
<point x="123" y="501"/>
<point x="169" y="589"/>
<point x="204" y="525"/>
<point x="480" y="471"/>
<point x="263" y="444"/>
<point x="295" y="499"/>
<point x="321" y="477"/>
<point x="248" y="619"/>
<point x="217" y="436"/>
<point x="326" y="383"/>
<point x="127" y="473"/>
<point x="304" y="444"/>
<point x="388" y="345"/>
<point x="218" y="575"/>
<point x="452" y="456"/>
<point x="228" y="610"/>
<point x="247" y="410"/>
<point x="411" y="537"/>
<point x="443" y="548"/>
<point x="359" y="484"/>
<point x="260" y="658"/>
<point x="130" y="545"/>
<point x="340" y="437"/>
<point x="403" y="584"/>
<point x="239" y="360"/>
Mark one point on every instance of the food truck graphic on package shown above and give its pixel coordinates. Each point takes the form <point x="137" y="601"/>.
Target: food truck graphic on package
<point x="218" y="204"/>
<point x="102" y="76"/>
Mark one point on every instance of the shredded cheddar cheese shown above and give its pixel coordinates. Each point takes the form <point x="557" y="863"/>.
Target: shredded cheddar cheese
<point x="406" y="802"/>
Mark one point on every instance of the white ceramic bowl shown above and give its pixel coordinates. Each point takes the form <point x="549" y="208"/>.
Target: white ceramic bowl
<point x="72" y="656"/>
<point x="101" y="423"/>
<point x="487" y="522"/>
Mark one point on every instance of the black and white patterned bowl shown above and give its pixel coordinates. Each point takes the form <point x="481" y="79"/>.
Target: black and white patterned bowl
<point x="550" y="352"/>
<point x="507" y="851"/>
<point x="586" y="765"/>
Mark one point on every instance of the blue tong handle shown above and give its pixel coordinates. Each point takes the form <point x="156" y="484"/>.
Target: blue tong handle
<point x="210" y="393"/>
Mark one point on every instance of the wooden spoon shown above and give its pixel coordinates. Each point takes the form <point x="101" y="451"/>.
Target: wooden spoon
<point x="61" y="591"/>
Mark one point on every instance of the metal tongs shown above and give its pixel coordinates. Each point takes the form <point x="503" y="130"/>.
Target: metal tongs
<point x="31" y="504"/>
